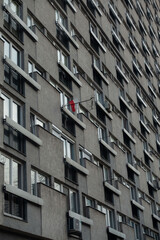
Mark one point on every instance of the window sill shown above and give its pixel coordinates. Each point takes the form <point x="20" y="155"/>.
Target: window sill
<point x="147" y="153"/>
<point x="12" y="216"/>
<point x="118" y="39"/>
<point x="25" y="195"/>
<point x="137" y="205"/>
<point x="108" y="147"/>
<point x="71" y="74"/>
<point x="81" y="218"/>
<point x="23" y="130"/>
<point x="156" y="217"/>
<point x="77" y="166"/>
<point x="79" y="122"/>
<point x="28" y="30"/>
<point x="144" y="125"/>
<point x="112" y="188"/>
<point x="116" y="233"/>
<point x="122" y="74"/>
<point x="101" y="74"/>
<point x="133" y="169"/>
<point x="68" y="34"/>
<point x="22" y="73"/>
<point x="129" y="135"/>
<point x="100" y="44"/>
<point x="141" y="99"/>
<point x="103" y="108"/>
<point x="125" y="102"/>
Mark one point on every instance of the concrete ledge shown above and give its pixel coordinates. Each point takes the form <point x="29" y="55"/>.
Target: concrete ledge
<point x="101" y="74"/>
<point x="68" y="34"/>
<point x="27" y="29"/>
<point x="100" y="44"/>
<point x="141" y="99"/>
<point x="131" y="22"/>
<point x="127" y="105"/>
<point x="112" y="188"/>
<point x="135" y="46"/>
<point x="23" y="73"/>
<point x="137" y="205"/>
<point x="116" y="233"/>
<point x="118" y="39"/>
<point x="108" y="147"/>
<point x="79" y="122"/>
<point x="81" y="218"/>
<point x="156" y="217"/>
<point x="133" y="168"/>
<point x="71" y="5"/>
<point x="147" y="153"/>
<point x="129" y="135"/>
<point x="144" y="125"/>
<point x="152" y="90"/>
<point x="77" y="166"/>
<point x="137" y="67"/>
<point x="155" y="118"/>
<point x="25" y="195"/>
<point x="71" y="74"/>
<point x="114" y="12"/>
<point x="122" y="74"/>
<point x="24" y="131"/>
<point x="102" y="107"/>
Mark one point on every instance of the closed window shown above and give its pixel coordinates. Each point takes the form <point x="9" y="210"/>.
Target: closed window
<point x="12" y="171"/>
<point x="37" y="177"/>
<point x="68" y="149"/>
<point x="73" y="201"/>
<point x="11" y="52"/>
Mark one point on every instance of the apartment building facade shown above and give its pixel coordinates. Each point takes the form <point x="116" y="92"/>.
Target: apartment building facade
<point x="80" y="119"/>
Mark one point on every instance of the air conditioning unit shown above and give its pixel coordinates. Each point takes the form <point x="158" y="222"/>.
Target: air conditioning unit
<point x="74" y="226"/>
<point x="108" y="106"/>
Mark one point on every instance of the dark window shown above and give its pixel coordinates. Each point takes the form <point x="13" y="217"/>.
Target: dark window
<point x="101" y="115"/>
<point x="123" y="108"/>
<point x="143" y="130"/>
<point x="120" y="77"/>
<point x="65" y="79"/>
<point x="62" y="3"/>
<point x="14" y="205"/>
<point x="147" y="160"/>
<point x="109" y="196"/>
<point x="155" y="223"/>
<point x="14" y="139"/>
<point x="126" y="140"/>
<point x="63" y="38"/>
<point x="14" y="79"/>
<point x="91" y="7"/>
<point x="135" y="211"/>
<point x="130" y="174"/>
<point x="70" y="173"/>
<point x="13" y="26"/>
<point x="68" y="124"/>
<point x="97" y="78"/>
<point x="151" y="190"/>
<point x="94" y="44"/>
<point x="115" y="42"/>
<point x="104" y="153"/>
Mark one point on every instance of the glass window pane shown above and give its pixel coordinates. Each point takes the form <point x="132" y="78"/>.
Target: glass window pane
<point x="15" y="112"/>
<point x="69" y="150"/>
<point x="5" y="105"/>
<point x="33" y="182"/>
<point x="15" y="56"/>
<point x="64" y="147"/>
<point x="29" y="21"/>
<point x="72" y="201"/>
<point x="15" y="172"/>
<point x="41" y="179"/>
<point x="7" y="177"/>
<point x="14" y="7"/>
<point x="6" y="48"/>
<point x="30" y="67"/>
<point x="39" y="122"/>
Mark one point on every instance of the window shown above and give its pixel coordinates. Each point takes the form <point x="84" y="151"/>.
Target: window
<point x="15" y="6"/>
<point x="83" y="155"/>
<point x="133" y="193"/>
<point x="11" y="52"/>
<point x="65" y="78"/>
<point x="63" y="58"/>
<point x="12" y="171"/>
<point x="12" y="109"/>
<point x="68" y="149"/>
<point x="71" y="173"/>
<point x="102" y="134"/>
<point x="14" y="79"/>
<point x="14" y="205"/>
<point x="37" y="177"/>
<point x="137" y="231"/>
<point x="110" y="218"/>
<point x="33" y="70"/>
<point x="58" y="186"/>
<point x="73" y="201"/>
<point x="107" y="175"/>
<point x="34" y="121"/>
